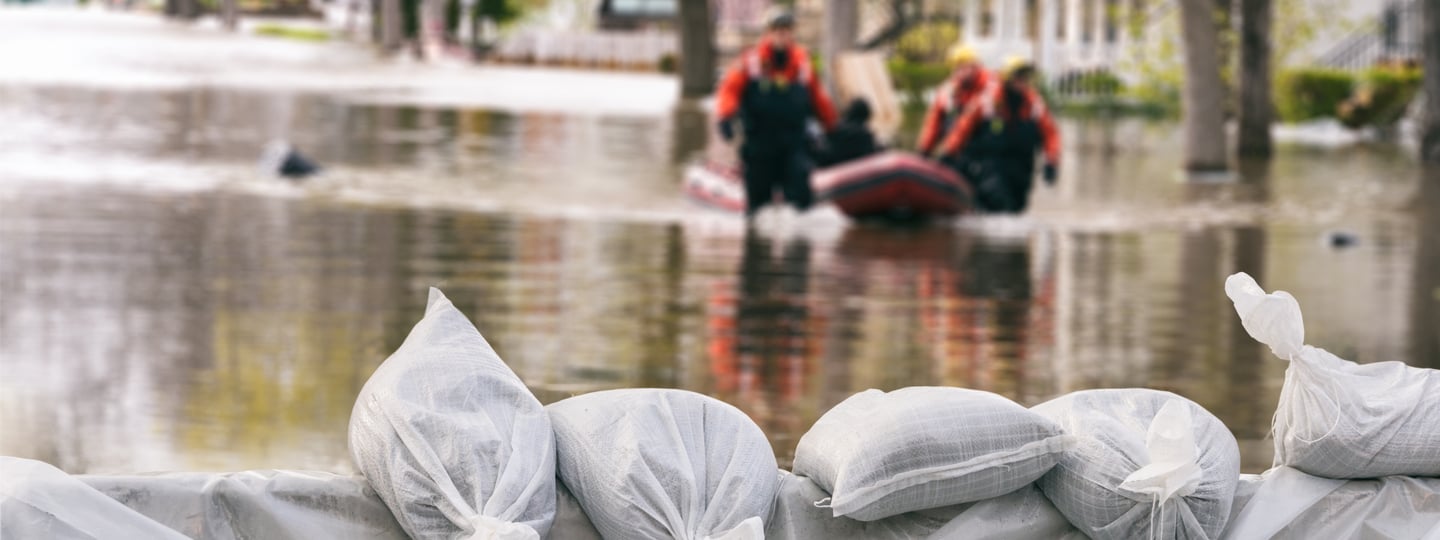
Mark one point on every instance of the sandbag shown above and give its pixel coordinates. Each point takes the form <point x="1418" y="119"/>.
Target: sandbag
<point x="1023" y="514"/>
<point x="1336" y="418"/>
<point x="882" y="454"/>
<point x="451" y="440"/>
<point x="270" y="504"/>
<point x="797" y="518"/>
<point x="1148" y="464"/>
<point x="39" y="501"/>
<point x="662" y="464"/>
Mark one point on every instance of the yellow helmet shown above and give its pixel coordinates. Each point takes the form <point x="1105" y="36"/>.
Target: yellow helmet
<point x="962" y="54"/>
<point x="1014" y="63"/>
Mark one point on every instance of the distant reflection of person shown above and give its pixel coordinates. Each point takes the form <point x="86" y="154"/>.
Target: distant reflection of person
<point x="764" y="366"/>
<point x="991" y="287"/>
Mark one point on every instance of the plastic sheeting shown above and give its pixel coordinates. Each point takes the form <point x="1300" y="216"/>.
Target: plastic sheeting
<point x="1119" y="483"/>
<point x="451" y="439"/>
<point x="1336" y="418"/>
<point x="882" y="454"/>
<point x="1286" y="504"/>
<point x="663" y="464"/>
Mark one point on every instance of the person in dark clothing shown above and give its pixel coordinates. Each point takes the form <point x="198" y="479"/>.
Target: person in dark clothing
<point x="850" y="140"/>
<point x="772" y="90"/>
<point x="995" y="142"/>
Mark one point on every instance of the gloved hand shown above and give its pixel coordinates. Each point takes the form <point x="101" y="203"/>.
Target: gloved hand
<point x="727" y="129"/>
<point x="1050" y="174"/>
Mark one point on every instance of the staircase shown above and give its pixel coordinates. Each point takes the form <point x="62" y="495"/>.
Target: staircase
<point x="1394" y="35"/>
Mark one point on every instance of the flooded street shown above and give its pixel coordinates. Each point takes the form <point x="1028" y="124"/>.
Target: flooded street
<point x="163" y="306"/>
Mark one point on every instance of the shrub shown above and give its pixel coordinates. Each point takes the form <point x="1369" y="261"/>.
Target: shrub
<point x="1310" y="93"/>
<point x="668" y="63"/>
<point x="302" y="34"/>
<point x="1382" y="98"/>
<point x="927" y="42"/>
<point x="914" y="78"/>
<point x="1097" y="82"/>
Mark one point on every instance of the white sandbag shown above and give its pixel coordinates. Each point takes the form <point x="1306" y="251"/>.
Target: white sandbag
<point x="279" y="505"/>
<point x="797" y="518"/>
<point x="39" y="501"/>
<point x="1022" y="514"/>
<point x="1292" y="505"/>
<point x="1148" y="464"/>
<point x="1336" y="418"/>
<point x="451" y="440"/>
<point x="882" y="454"/>
<point x="661" y="464"/>
<point x="299" y="505"/>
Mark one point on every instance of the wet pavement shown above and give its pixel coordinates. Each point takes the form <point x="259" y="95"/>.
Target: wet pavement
<point x="167" y="307"/>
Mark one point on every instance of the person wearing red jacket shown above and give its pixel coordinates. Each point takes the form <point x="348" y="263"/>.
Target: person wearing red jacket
<point x="967" y="82"/>
<point x="773" y="91"/>
<point x="994" y="143"/>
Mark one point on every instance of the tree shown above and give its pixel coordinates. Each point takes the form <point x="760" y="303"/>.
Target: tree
<point x="1430" y="130"/>
<point x="391" y="25"/>
<point x="1256" y="110"/>
<point x="842" y="26"/>
<point x="1203" y="97"/>
<point x="697" y="48"/>
<point x="230" y="14"/>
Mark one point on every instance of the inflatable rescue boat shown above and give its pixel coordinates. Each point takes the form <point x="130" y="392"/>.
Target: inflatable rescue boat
<point x="891" y="184"/>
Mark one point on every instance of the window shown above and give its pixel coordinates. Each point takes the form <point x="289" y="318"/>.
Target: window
<point x="1032" y="19"/>
<point x="1062" y="18"/>
<point x="1087" y="20"/>
<point x="1112" y="21"/>
<point x="987" y="18"/>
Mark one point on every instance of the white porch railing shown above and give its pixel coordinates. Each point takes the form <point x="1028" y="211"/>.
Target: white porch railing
<point x="615" y="50"/>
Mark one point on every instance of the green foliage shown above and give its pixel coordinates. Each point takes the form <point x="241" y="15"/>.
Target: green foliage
<point x="1099" y="82"/>
<point x="502" y="11"/>
<point x="1383" y="95"/>
<point x="668" y="63"/>
<point x="290" y="32"/>
<point x="1310" y="93"/>
<point x="1158" y="66"/>
<point x="915" y="78"/>
<point x="927" y="42"/>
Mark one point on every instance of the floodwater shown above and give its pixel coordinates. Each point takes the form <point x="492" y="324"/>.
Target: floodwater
<point x="165" y="307"/>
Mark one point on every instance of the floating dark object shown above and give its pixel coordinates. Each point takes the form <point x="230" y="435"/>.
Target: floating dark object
<point x="1341" y="239"/>
<point x="283" y="159"/>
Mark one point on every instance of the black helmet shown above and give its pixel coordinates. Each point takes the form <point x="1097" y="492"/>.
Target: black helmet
<point x="779" y="18"/>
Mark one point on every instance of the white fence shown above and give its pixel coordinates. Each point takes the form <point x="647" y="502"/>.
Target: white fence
<point x="625" y="50"/>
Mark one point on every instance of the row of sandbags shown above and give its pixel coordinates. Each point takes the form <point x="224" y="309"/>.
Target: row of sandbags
<point x="39" y="501"/>
<point x="455" y="444"/>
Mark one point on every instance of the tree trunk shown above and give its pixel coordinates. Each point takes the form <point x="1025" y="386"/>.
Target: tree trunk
<point x="390" y="25"/>
<point x="1204" y="93"/>
<point x="1430" y="130"/>
<point x="230" y="14"/>
<point x="1255" y="106"/>
<point x="697" y="48"/>
<point x="842" y="28"/>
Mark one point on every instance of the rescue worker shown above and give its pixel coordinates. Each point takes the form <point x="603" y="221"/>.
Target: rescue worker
<point x="773" y="91"/>
<point x="967" y="82"/>
<point x="1001" y="134"/>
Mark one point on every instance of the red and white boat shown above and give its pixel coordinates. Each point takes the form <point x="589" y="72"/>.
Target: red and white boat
<point x="889" y="184"/>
